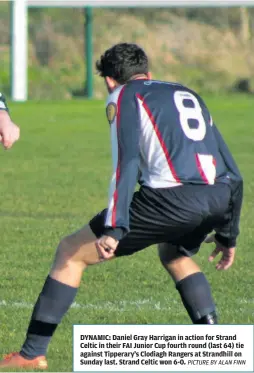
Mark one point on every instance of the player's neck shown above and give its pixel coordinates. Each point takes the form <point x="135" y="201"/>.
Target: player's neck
<point x="139" y="76"/>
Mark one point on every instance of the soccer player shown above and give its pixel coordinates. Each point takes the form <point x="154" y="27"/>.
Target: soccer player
<point x="9" y="132"/>
<point x="164" y="137"/>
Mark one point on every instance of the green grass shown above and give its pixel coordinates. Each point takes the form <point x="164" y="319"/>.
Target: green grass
<point x="54" y="180"/>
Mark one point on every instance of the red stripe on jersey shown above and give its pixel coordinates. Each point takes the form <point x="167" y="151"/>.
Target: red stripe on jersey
<point x="200" y="169"/>
<point x="157" y="131"/>
<point x="115" y="195"/>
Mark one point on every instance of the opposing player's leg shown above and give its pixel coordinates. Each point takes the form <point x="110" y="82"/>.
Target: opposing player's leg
<point x="73" y="255"/>
<point x="191" y="284"/>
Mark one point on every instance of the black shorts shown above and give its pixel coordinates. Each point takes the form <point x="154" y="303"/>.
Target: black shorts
<point x="182" y="216"/>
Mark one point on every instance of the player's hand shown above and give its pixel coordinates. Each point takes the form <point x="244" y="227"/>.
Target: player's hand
<point x="106" y="247"/>
<point x="228" y="254"/>
<point x="9" y="132"/>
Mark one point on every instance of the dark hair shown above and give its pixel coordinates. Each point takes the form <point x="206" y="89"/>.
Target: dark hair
<point x="123" y="61"/>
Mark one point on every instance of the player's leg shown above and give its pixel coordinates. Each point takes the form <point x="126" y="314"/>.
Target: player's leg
<point x="177" y="265"/>
<point x="73" y="255"/>
<point x="191" y="283"/>
<point x="207" y="206"/>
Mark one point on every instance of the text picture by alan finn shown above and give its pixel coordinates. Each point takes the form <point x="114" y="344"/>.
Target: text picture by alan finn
<point x="198" y="348"/>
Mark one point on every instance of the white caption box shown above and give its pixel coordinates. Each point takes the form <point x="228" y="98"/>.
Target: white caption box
<point x="199" y="348"/>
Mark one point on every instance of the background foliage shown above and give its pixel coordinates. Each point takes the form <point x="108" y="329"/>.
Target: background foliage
<point x="207" y="48"/>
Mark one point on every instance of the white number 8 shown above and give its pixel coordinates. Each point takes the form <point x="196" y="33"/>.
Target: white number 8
<point x="187" y="113"/>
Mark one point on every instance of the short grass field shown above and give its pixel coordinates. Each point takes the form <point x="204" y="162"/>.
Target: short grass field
<point x="54" y="180"/>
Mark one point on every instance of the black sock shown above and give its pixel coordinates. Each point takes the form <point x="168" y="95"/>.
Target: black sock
<point x="197" y="298"/>
<point x="210" y="318"/>
<point x="52" y="304"/>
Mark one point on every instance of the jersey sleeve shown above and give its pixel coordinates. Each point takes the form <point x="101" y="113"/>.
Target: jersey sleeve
<point x="228" y="233"/>
<point x="3" y="104"/>
<point x="125" y="130"/>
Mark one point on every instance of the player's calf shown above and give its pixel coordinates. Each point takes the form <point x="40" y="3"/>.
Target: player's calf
<point x="197" y="298"/>
<point x="191" y="284"/>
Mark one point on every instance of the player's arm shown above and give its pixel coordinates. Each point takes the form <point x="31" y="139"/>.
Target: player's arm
<point x="9" y="132"/>
<point x="125" y="154"/>
<point x="227" y="234"/>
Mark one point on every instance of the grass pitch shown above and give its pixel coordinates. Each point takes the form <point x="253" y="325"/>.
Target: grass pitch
<point x="54" y="180"/>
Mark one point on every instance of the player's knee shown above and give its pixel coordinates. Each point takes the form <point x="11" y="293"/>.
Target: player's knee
<point x="71" y="251"/>
<point x="64" y="252"/>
